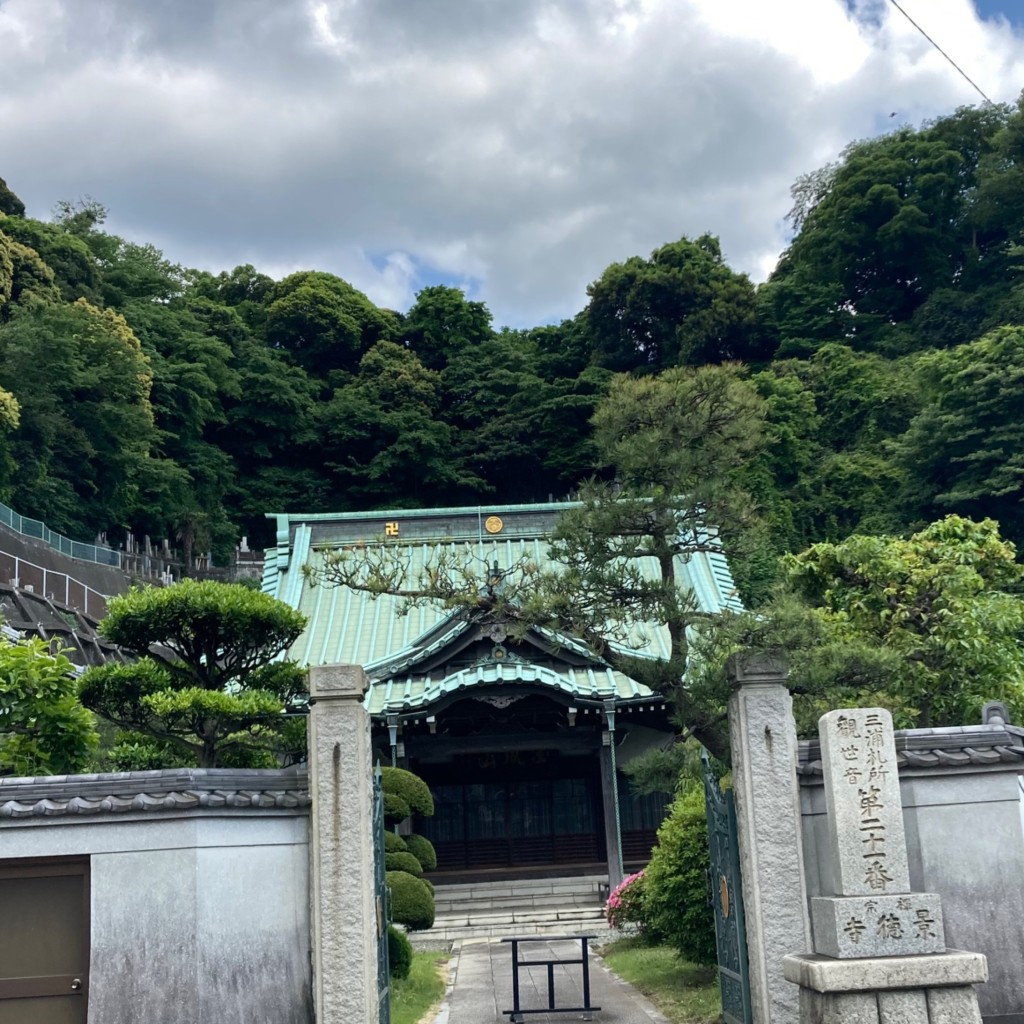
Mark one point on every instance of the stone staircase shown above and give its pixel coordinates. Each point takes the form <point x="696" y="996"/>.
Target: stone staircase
<point x="535" y="906"/>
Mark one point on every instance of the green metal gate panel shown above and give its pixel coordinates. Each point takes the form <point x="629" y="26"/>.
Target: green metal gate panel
<point x="727" y="897"/>
<point x="382" y="902"/>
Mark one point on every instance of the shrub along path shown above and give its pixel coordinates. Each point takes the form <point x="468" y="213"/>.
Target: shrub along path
<point x="483" y="987"/>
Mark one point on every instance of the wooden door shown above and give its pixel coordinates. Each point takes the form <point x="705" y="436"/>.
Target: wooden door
<point x="44" y="942"/>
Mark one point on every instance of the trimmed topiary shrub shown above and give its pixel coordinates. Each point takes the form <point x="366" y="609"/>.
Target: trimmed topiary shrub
<point x="410" y="789"/>
<point x="394" y="843"/>
<point x="429" y="884"/>
<point x="395" y="808"/>
<point x="676" y="904"/>
<point x="411" y="901"/>
<point x="423" y="850"/>
<point x="401" y="861"/>
<point x="399" y="953"/>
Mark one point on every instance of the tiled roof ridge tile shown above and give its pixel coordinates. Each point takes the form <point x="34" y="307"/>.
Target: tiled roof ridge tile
<point x="173" y="789"/>
<point x="957" y="746"/>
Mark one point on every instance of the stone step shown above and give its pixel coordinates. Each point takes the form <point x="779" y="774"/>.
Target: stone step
<point x="446" y="903"/>
<point x="523" y="916"/>
<point x="447" y="931"/>
<point x="584" y="883"/>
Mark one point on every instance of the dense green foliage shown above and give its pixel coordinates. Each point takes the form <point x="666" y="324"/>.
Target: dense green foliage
<point x="869" y="387"/>
<point x="406" y="794"/>
<point x="423" y="850"/>
<point x="407" y="857"/>
<point x="675" y="886"/>
<point x="400" y="861"/>
<point x="928" y="626"/>
<point x="886" y="348"/>
<point x="412" y="903"/>
<point x="399" y="953"/>
<point x="205" y="684"/>
<point x="44" y="730"/>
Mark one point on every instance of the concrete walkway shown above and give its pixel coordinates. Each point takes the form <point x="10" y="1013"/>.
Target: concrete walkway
<point x="480" y="986"/>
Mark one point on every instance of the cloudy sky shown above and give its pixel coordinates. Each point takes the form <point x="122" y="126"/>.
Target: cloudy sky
<point x="512" y="147"/>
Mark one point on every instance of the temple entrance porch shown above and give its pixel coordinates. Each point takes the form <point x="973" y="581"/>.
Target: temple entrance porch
<point x="524" y="789"/>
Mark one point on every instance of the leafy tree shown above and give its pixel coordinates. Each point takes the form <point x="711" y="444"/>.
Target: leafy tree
<point x="683" y="305"/>
<point x="895" y="220"/>
<point x="71" y="262"/>
<point x="44" y="730"/>
<point x="678" y="444"/>
<point x="86" y="426"/>
<point x="382" y="434"/>
<point x="964" y="451"/>
<point x="206" y="683"/>
<point x="324" y="322"/>
<point x="947" y="601"/>
<point x="25" y="280"/>
<point x="443" y="323"/>
<point x="9" y="202"/>
<point x="194" y="376"/>
<point x="927" y="626"/>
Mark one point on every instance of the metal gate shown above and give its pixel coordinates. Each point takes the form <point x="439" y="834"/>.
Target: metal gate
<point x="382" y="902"/>
<point x="727" y="898"/>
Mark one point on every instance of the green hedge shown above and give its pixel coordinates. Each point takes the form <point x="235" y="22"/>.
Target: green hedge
<point x="395" y="808"/>
<point x="410" y="791"/>
<point x="399" y="953"/>
<point x="400" y="861"/>
<point x="423" y="850"/>
<point x="394" y="843"/>
<point x="411" y="901"/>
<point x="675" y="882"/>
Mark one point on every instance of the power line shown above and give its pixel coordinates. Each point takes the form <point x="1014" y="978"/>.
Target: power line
<point x="973" y="84"/>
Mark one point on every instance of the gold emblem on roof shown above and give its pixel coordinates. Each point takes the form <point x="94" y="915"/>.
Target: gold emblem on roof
<point x="391" y="529"/>
<point x="493" y="524"/>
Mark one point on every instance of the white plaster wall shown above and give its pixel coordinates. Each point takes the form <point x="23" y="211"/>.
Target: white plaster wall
<point x="197" y="918"/>
<point x="261" y="948"/>
<point x="965" y="841"/>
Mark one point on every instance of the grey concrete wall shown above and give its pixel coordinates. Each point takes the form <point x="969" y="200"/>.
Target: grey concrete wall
<point x="965" y="841"/>
<point x="199" y="916"/>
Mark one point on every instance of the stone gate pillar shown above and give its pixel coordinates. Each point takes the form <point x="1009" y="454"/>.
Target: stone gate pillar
<point x="764" y="762"/>
<point x="342" y="912"/>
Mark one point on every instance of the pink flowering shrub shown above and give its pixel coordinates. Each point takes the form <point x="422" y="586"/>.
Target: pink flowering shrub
<point x="625" y="906"/>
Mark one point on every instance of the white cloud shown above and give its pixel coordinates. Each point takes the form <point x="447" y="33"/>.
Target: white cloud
<point x="515" y="148"/>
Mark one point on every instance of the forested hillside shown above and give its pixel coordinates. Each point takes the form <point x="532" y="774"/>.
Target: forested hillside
<point x="888" y="345"/>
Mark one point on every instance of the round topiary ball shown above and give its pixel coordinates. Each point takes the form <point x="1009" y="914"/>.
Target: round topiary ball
<point x="411" y="902"/>
<point x="395" y="808"/>
<point x="399" y="953"/>
<point x="423" y="850"/>
<point x="400" y="861"/>
<point x="394" y="843"/>
<point x="409" y="788"/>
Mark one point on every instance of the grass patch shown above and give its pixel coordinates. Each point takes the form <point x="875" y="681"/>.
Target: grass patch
<point x="412" y="997"/>
<point x="686" y="994"/>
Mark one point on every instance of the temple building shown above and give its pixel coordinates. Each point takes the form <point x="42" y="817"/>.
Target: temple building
<point x="521" y="738"/>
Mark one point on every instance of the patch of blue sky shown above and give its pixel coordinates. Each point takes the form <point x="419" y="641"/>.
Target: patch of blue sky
<point x="420" y="274"/>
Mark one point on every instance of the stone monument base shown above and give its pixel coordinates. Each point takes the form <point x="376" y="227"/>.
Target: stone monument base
<point x="936" y="988"/>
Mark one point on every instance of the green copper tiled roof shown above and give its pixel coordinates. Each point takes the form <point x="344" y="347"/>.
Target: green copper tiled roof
<point x="351" y="627"/>
<point x="416" y="692"/>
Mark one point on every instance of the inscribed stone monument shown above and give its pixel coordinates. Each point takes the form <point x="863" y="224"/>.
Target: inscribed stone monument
<point x="880" y="952"/>
<point x="873" y="912"/>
